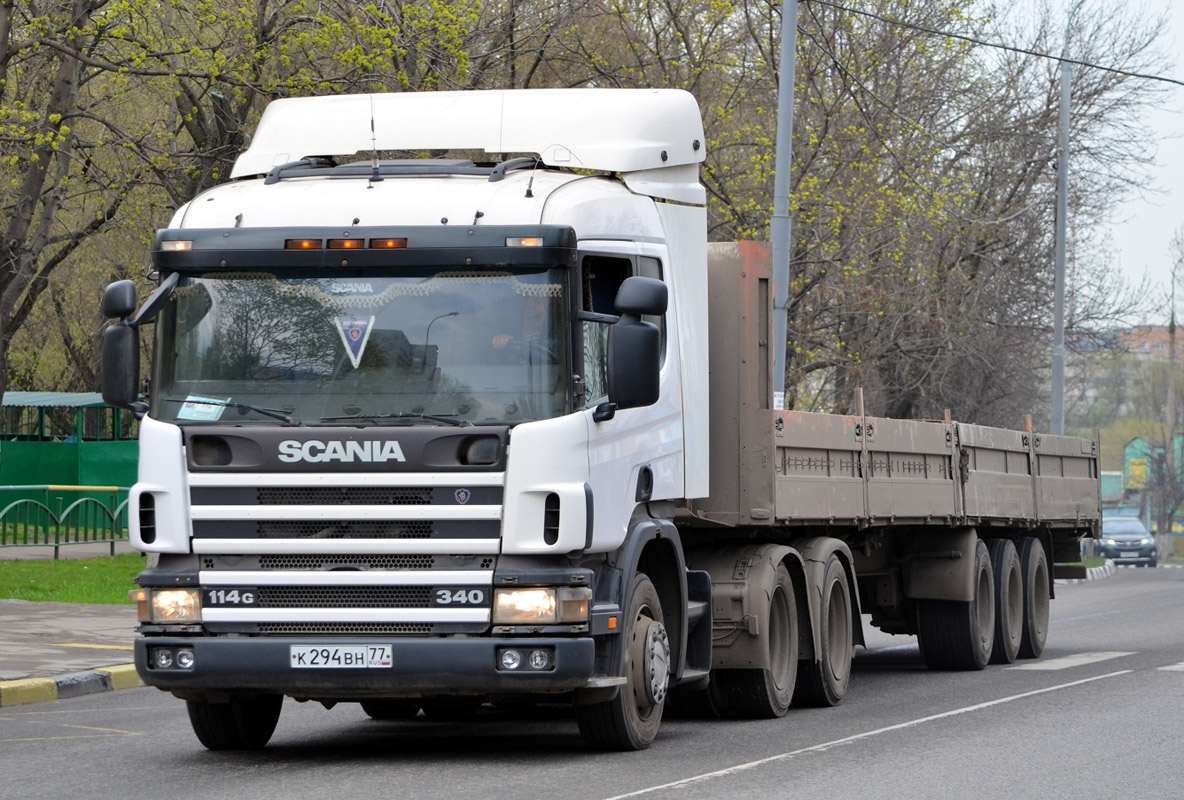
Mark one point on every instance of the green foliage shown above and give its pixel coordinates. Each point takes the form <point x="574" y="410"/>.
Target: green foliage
<point x="67" y="580"/>
<point x="920" y="189"/>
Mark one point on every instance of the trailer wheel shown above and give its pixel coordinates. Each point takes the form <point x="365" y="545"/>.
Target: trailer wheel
<point x="390" y="709"/>
<point x="766" y="693"/>
<point x="630" y="720"/>
<point x="823" y="681"/>
<point x="236" y="725"/>
<point x="1034" y="565"/>
<point x="960" y="635"/>
<point x="1009" y="600"/>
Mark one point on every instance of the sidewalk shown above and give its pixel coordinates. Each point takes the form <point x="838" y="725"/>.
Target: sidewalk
<point x="50" y="651"/>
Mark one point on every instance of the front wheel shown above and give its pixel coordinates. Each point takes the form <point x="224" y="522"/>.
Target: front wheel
<point x="235" y="725"/>
<point x="630" y="720"/>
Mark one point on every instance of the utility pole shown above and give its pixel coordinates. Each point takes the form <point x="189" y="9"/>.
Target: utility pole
<point x="780" y="225"/>
<point x="1058" y="325"/>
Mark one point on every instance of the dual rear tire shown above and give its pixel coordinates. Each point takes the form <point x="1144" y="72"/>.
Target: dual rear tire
<point x="1006" y="619"/>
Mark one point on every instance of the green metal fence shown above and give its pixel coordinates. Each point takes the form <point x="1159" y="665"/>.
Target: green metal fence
<point x="43" y="516"/>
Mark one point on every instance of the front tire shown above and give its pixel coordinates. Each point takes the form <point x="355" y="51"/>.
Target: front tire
<point x="823" y="681"/>
<point x="235" y="725"/>
<point x="630" y="720"/>
<point x="960" y="635"/>
<point x="767" y="693"/>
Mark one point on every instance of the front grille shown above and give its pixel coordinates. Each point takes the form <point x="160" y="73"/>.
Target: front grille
<point x="344" y="596"/>
<point x="344" y="627"/>
<point x="344" y="496"/>
<point x="329" y="562"/>
<point x="363" y="562"/>
<point x="317" y="529"/>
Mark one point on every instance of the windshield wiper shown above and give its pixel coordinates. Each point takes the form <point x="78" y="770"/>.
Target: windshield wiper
<point x="274" y="413"/>
<point x="451" y="420"/>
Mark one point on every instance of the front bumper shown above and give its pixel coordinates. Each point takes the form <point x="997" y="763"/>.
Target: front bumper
<point x="1126" y="554"/>
<point x="420" y="667"/>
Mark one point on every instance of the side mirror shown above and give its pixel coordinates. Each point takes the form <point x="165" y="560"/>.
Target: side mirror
<point x="634" y="348"/>
<point x="638" y="296"/>
<point x="119" y="300"/>
<point x="121" y="368"/>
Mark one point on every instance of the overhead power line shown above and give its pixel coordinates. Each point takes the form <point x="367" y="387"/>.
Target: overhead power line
<point x="997" y="45"/>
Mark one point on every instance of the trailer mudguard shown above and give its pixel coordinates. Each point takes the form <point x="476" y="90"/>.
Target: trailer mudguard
<point x="939" y="565"/>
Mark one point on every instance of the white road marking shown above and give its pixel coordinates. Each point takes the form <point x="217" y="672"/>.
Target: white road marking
<point x="1071" y="661"/>
<point x="1174" y="668"/>
<point x="706" y="776"/>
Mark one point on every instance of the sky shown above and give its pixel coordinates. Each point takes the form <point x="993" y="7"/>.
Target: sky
<point x="1142" y="229"/>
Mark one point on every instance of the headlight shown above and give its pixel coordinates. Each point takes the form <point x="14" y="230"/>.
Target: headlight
<point x="1110" y="541"/>
<point x="1145" y="541"/>
<point x="541" y="606"/>
<point x="168" y="605"/>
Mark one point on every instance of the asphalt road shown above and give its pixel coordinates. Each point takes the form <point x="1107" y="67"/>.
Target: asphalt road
<point x="1099" y="716"/>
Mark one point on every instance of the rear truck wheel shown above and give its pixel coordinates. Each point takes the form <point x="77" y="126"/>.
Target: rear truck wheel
<point x="709" y="702"/>
<point x="823" y="681"/>
<point x="767" y="693"/>
<point x="960" y="635"/>
<point x="1034" y="566"/>
<point x="1009" y="600"/>
<point x="237" y="724"/>
<point x="390" y="709"/>
<point x="630" y="720"/>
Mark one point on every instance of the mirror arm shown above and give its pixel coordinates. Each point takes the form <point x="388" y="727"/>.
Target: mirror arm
<point x="155" y="302"/>
<point x="604" y="412"/>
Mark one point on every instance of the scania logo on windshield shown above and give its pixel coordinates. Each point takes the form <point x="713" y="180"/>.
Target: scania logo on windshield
<point x="314" y="451"/>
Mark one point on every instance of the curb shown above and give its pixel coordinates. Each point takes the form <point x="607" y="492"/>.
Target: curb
<point x="1092" y="574"/>
<point x="42" y="690"/>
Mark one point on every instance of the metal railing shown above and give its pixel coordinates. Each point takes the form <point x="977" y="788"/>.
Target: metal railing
<point x="31" y="522"/>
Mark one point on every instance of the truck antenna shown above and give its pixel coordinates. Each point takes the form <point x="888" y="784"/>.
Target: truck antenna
<point x="375" y="175"/>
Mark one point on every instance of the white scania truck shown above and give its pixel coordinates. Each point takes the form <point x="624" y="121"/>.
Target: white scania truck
<point x="425" y="433"/>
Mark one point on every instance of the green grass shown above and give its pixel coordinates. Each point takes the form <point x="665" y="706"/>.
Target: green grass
<point x="1088" y="562"/>
<point x="83" y="580"/>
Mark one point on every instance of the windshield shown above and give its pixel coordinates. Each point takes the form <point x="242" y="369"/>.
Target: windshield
<point x="1122" y="526"/>
<point x="443" y="347"/>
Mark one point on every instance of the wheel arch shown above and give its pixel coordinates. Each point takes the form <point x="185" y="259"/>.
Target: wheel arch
<point x="654" y="547"/>
<point x="815" y="552"/>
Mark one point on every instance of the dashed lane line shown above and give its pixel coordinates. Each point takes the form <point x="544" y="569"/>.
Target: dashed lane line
<point x="723" y="773"/>
<point x="1068" y="662"/>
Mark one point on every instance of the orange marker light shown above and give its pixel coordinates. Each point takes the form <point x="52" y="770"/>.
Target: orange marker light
<point x="524" y="241"/>
<point x="302" y="244"/>
<point x="346" y="244"/>
<point x="612" y="623"/>
<point x="388" y="244"/>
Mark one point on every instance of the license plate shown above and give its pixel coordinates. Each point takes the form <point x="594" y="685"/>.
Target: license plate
<point x="1134" y="554"/>
<point x="335" y="656"/>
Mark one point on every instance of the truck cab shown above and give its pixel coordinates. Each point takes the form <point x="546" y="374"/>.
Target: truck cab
<point x="416" y="424"/>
